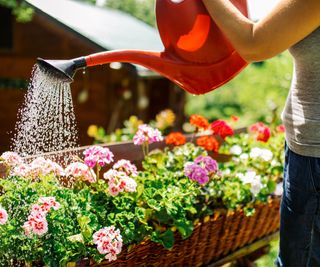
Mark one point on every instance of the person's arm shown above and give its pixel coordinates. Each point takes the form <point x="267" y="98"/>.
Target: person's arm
<point x="289" y="22"/>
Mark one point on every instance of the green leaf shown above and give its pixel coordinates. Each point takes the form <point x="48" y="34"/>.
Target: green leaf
<point x="184" y="227"/>
<point x="166" y="238"/>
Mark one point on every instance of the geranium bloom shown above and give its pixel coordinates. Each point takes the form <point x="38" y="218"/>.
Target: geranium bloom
<point x="250" y="177"/>
<point x="80" y="170"/>
<point x="147" y="135"/>
<point x="126" y="166"/>
<point x="21" y="170"/>
<point x="97" y="155"/>
<point x="36" y="224"/>
<point x="280" y="128"/>
<point x="49" y="202"/>
<point x="119" y="181"/>
<point x="196" y="173"/>
<point x="235" y="150"/>
<point x="234" y="118"/>
<point x="208" y="163"/>
<point x="262" y="131"/>
<point x="220" y="127"/>
<point x="176" y="139"/>
<point x="11" y="159"/>
<point x="109" y="242"/>
<point x="3" y="216"/>
<point x="262" y="153"/>
<point x="199" y="121"/>
<point x="208" y="142"/>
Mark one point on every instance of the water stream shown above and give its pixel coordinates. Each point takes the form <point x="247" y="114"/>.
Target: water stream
<point x="46" y="122"/>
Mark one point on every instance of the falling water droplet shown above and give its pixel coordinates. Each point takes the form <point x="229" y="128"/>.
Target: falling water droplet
<point x="46" y="122"/>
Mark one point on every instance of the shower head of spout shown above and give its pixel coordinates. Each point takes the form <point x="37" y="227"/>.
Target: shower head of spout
<point x="63" y="70"/>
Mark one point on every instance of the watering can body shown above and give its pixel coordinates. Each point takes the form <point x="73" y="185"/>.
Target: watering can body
<point x="197" y="56"/>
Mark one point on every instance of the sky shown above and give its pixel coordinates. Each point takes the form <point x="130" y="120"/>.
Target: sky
<point x="259" y="8"/>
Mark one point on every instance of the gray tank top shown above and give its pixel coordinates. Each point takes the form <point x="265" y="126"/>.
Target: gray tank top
<point x="301" y="115"/>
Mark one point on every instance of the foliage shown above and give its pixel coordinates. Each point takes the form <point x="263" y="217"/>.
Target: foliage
<point x="20" y="9"/>
<point x="141" y="9"/>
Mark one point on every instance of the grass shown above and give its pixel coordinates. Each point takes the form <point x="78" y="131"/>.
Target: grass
<point x="268" y="260"/>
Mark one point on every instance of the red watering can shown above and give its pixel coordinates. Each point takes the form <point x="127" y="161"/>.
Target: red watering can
<point x="197" y="56"/>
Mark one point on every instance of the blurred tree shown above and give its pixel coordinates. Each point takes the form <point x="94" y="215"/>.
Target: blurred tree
<point x="141" y="9"/>
<point x="20" y="9"/>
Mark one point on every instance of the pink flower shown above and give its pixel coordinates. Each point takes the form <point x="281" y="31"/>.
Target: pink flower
<point x="126" y="166"/>
<point x="48" y="203"/>
<point x="196" y="173"/>
<point x="109" y="242"/>
<point x="97" y="155"/>
<point x="130" y="185"/>
<point x="147" y="135"/>
<point x="36" y="224"/>
<point x="11" y="159"/>
<point x="52" y="167"/>
<point x="81" y="171"/>
<point x="38" y="210"/>
<point x="21" y="170"/>
<point x="119" y="181"/>
<point x="3" y="216"/>
<point x="208" y="163"/>
<point x="39" y="226"/>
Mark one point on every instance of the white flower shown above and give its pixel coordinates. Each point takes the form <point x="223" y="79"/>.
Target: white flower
<point x="244" y="156"/>
<point x="236" y="150"/>
<point x="262" y="153"/>
<point x="250" y="177"/>
<point x="256" y="186"/>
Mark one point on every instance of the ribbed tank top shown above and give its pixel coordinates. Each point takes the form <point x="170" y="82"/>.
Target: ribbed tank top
<point x="301" y="114"/>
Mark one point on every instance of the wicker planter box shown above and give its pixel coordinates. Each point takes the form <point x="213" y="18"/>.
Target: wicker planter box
<point x="212" y="239"/>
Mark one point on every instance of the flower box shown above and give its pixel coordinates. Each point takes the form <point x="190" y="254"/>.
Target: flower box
<point x="213" y="238"/>
<point x="227" y="224"/>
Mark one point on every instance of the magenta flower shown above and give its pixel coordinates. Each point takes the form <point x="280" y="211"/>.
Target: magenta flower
<point x="3" y="216"/>
<point x="109" y="242"/>
<point x="97" y="155"/>
<point x="147" y="135"/>
<point x="196" y="173"/>
<point x="208" y="163"/>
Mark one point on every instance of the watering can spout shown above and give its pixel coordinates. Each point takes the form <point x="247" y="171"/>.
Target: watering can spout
<point x="62" y="70"/>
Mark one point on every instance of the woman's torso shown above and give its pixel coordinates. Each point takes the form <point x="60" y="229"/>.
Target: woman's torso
<point x="301" y="115"/>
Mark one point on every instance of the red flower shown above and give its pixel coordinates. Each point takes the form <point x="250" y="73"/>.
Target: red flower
<point x="175" y="139"/>
<point x="199" y="121"/>
<point x="209" y="143"/>
<point x="234" y="118"/>
<point x="262" y="131"/>
<point x="220" y="127"/>
<point x="280" y="128"/>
